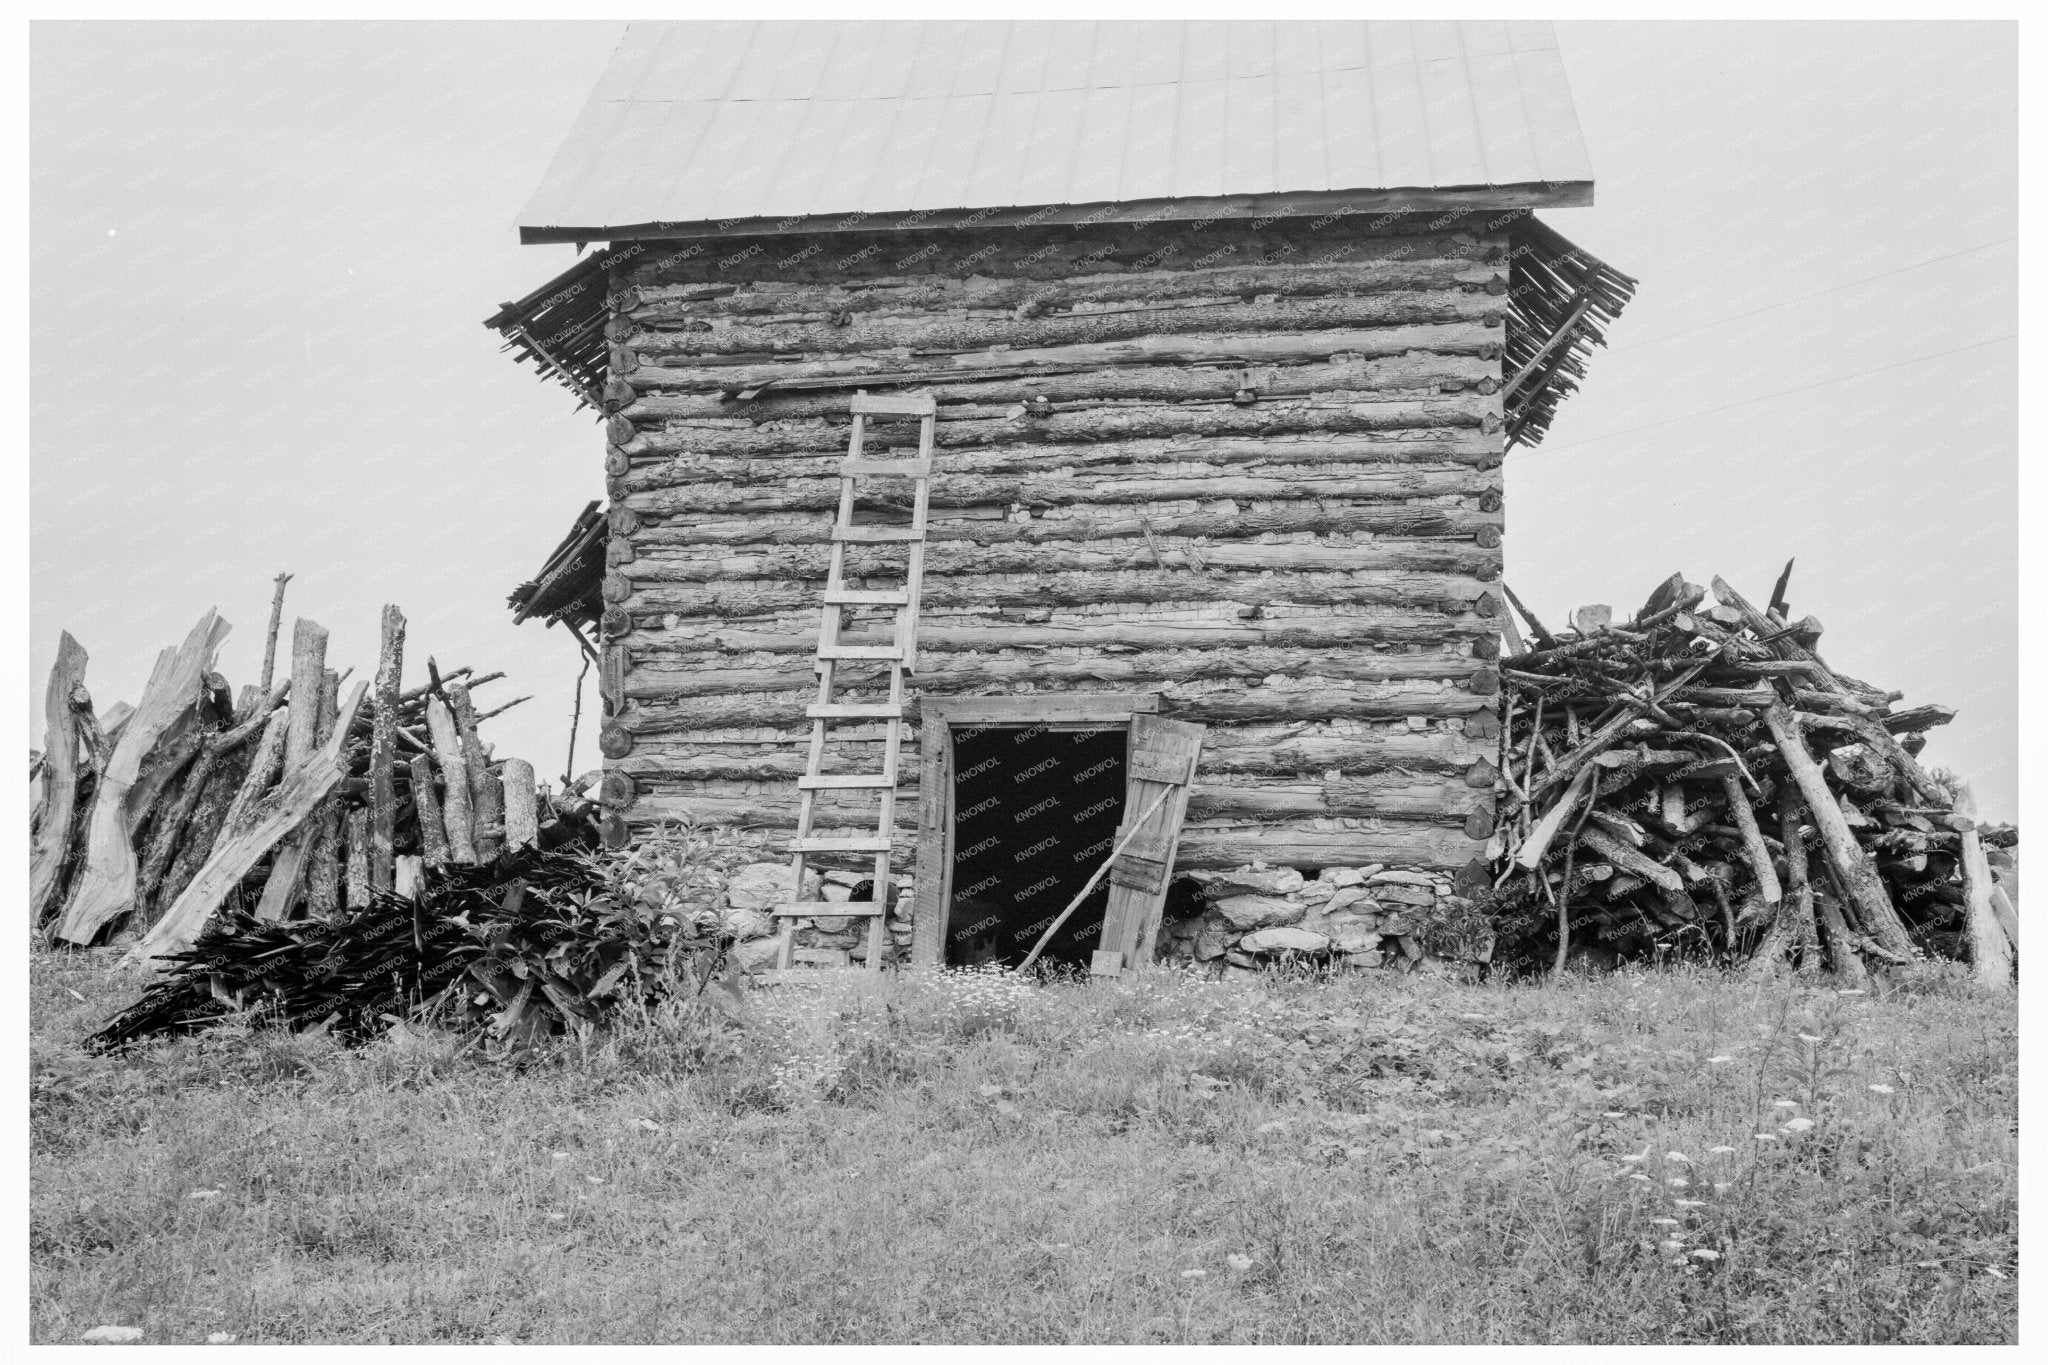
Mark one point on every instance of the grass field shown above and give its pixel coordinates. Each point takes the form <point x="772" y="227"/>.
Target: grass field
<point x="1632" y="1158"/>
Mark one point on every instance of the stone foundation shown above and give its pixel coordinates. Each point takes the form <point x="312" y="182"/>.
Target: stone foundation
<point x="1361" y="917"/>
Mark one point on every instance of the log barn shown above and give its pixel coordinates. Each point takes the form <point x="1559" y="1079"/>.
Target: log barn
<point x="1181" y="358"/>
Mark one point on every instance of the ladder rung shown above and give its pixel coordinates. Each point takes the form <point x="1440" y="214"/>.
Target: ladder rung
<point x="877" y="534"/>
<point x="906" y="469"/>
<point x="811" y="909"/>
<point x="844" y="781"/>
<point x="867" y="597"/>
<point x="859" y="843"/>
<point x="851" y="710"/>
<point x="897" y="404"/>
<point x="859" y="652"/>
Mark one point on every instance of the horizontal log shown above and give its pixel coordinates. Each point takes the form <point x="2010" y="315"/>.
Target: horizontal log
<point x="872" y="332"/>
<point x="1303" y="846"/>
<point x="1076" y="426"/>
<point x="656" y="677"/>
<point x="1057" y="249"/>
<point x="959" y="557"/>
<point x="773" y="806"/>
<point x="1439" y="801"/>
<point x="1113" y="522"/>
<point x="738" y="374"/>
<point x="752" y="597"/>
<point x="1388" y="485"/>
<point x="1409" y="373"/>
<point x="1363" y="701"/>
<point x="656" y="304"/>
<point x="936" y="638"/>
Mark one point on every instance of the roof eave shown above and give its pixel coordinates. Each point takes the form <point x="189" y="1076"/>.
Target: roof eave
<point x="1300" y="204"/>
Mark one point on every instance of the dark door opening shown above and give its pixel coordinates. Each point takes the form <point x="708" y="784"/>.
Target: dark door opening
<point x="1035" y="811"/>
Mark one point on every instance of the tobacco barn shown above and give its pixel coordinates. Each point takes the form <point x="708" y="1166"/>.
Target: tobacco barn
<point x="1028" y="442"/>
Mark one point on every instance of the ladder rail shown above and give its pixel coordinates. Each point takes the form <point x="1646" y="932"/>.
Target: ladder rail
<point x="900" y="659"/>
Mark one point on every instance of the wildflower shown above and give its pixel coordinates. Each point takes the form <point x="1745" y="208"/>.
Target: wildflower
<point x="1673" y="1247"/>
<point x="1238" y="1262"/>
<point x="1848" y="992"/>
<point x="1614" y="1114"/>
<point x="1676" y="1156"/>
<point x="1811" y="1039"/>
<point x="1638" y="1175"/>
<point x="1882" y="1089"/>
<point x="1665" y="1222"/>
<point x="1690" y="1203"/>
<point x="204" y="1194"/>
<point x="1632" y="1159"/>
<point x="1721" y="1151"/>
<point x="1193" y="1274"/>
<point x="220" y="1338"/>
<point x="1797" y="1125"/>
<point x="1766" y="1137"/>
<point x="1721" y="1187"/>
<point x="1784" y="1104"/>
<point x="1678" y="1182"/>
<point x="1706" y="1255"/>
<point x="595" y="1179"/>
<point x="1716" y="1061"/>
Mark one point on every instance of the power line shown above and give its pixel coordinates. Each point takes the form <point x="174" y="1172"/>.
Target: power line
<point x="1832" y="289"/>
<point x="1781" y="393"/>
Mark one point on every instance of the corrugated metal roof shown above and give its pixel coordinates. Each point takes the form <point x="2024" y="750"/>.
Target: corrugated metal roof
<point x="698" y="123"/>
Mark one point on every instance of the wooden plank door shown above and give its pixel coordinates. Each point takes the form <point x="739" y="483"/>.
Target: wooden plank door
<point x="1160" y="761"/>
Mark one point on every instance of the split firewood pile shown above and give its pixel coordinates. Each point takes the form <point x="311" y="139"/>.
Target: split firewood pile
<point x="1699" y="780"/>
<point x="291" y="801"/>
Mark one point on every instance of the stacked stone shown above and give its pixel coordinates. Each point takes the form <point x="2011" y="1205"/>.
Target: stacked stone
<point x="823" y="941"/>
<point x="1367" y="916"/>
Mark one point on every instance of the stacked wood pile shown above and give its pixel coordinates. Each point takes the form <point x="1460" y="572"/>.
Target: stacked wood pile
<point x="291" y="800"/>
<point x="1252" y="468"/>
<point x="1699" y="778"/>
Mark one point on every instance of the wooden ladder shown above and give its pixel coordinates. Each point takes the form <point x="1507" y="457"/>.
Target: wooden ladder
<point x="901" y="658"/>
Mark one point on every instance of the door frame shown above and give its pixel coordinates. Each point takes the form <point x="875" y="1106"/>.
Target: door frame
<point x="933" y="905"/>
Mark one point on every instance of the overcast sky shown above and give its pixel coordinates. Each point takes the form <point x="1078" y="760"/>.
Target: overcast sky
<point x="261" y="255"/>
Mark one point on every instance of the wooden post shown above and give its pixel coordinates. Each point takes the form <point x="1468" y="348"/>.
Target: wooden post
<point x="522" y="814"/>
<point x="458" y="821"/>
<point x="384" y="750"/>
<point x="1859" y="879"/>
<point x="1990" y="952"/>
<point x="433" y="835"/>
<point x="52" y="844"/>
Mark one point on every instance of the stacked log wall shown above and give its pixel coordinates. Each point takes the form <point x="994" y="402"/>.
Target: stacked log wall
<point x="1252" y="468"/>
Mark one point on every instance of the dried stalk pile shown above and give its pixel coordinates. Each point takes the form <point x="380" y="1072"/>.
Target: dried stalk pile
<point x="293" y="801"/>
<point x="1700" y="780"/>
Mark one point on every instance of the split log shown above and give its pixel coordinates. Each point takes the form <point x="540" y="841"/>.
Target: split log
<point x="384" y="750"/>
<point x="1758" y="856"/>
<point x="270" y="635"/>
<point x="52" y="845"/>
<point x="357" y="879"/>
<point x="1859" y="879"/>
<point x="107" y="883"/>
<point x="457" y="815"/>
<point x="522" y="816"/>
<point x="1630" y="861"/>
<point x="323" y="863"/>
<point x="223" y="785"/>
<point x="240" y="848"/>
<point x="433" y="833"/>
<point x="1990" y="951"/>
<point x="486" y="796"/>
<point x="302" y="738"/>
<point x="265" y="767"/>
<point x="936" y="637"/>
